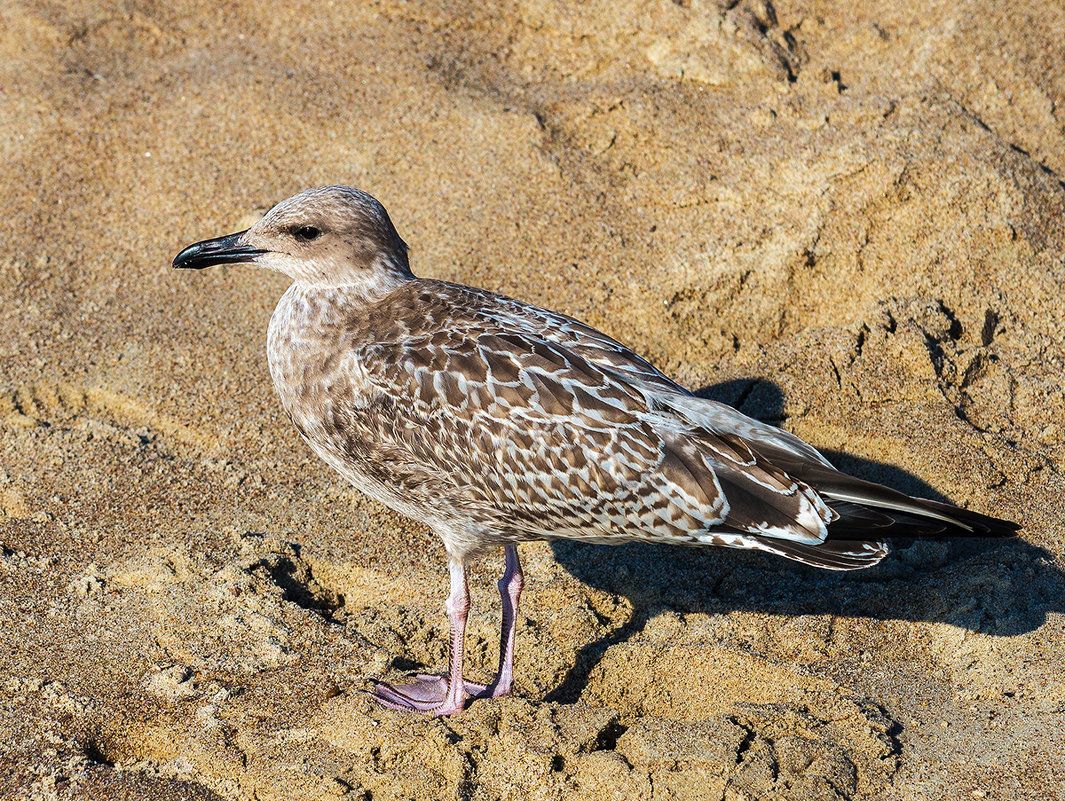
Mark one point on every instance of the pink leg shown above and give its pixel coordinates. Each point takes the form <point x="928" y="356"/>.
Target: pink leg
<point x="509" y="592"/>
<point x="435" y="694"/>
<point x="438" y="695"/>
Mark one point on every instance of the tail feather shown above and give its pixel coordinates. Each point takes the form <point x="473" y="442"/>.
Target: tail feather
<point x="829" y="555"/>
<point x="859" y="537"/>
<point x="911" y="517"/>
<point x="870" y="515"/>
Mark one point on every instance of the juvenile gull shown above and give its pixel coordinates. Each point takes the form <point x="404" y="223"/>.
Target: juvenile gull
<point x="496" y="422"/>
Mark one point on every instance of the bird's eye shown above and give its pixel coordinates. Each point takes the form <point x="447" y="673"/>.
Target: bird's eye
<point x="306" y="233"/>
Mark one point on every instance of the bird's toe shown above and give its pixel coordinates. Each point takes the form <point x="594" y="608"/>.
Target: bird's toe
<point x="427" y="694"/>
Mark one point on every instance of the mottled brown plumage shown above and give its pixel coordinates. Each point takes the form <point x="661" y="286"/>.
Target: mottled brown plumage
<point x="496" y="422"/>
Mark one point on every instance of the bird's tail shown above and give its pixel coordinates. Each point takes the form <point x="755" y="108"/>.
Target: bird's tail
<point x="871" y="515"/>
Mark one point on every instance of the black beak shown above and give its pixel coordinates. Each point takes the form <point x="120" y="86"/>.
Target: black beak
<point x="223" y="250"/>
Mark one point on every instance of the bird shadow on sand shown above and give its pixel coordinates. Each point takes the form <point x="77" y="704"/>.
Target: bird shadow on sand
<point x="997" y="587"/>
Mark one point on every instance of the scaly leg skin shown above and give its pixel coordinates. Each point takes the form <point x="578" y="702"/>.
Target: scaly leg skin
<point x="509" y="592"/>
<point x="434" y="694"/>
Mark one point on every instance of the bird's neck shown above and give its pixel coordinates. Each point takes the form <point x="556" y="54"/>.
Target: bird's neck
<point x="307" y="309"/>
<point x="357" y="284"/>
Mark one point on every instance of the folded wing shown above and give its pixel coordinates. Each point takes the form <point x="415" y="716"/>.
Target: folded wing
<point x="544" y="427"/>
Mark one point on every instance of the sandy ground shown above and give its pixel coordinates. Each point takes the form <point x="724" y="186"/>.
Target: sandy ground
<point x="846" y="218"/>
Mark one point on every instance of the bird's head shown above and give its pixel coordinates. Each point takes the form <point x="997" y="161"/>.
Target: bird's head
<point x="329" y="236"/>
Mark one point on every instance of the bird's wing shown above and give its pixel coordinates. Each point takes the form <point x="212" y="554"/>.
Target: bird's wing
<point x="550" y="443"/>
<point x="661" y="392"/>
<point x="584" y="341"/>
<point x="860" y="510"/>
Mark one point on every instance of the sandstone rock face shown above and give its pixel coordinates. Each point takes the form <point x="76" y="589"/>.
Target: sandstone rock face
<point x="847" y="219"/>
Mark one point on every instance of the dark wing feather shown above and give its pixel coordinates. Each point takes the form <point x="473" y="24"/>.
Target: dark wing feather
<point x="911" y="517"/>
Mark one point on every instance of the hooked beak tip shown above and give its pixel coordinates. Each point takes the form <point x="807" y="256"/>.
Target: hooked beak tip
<point x="222" y="250"/>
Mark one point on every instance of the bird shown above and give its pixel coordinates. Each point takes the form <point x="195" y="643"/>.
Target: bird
<point x="495" y="422"/>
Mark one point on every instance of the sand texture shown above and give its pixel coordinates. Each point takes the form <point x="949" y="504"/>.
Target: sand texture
<point x="847" y="219"/>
